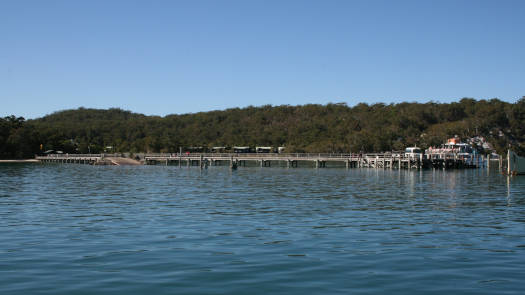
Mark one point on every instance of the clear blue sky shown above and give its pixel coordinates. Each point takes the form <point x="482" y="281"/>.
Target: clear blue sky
<point x="165" y="57"/>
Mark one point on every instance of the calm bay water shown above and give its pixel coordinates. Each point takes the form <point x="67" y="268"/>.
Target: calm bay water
<point x="79" y="229"/>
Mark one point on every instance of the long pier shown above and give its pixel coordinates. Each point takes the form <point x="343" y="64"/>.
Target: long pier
<point x="291" y="160"/>
<point x="375" y="160"/>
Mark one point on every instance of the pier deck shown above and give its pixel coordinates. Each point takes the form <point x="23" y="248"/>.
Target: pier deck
<point x="71" y="158"/>
<point x="375" y="160"/>
<point x="371" y="160"/>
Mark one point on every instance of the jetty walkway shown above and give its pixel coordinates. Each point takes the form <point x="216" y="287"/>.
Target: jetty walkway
<point x="371" y="160"/>
<point x="71" y="158"/>
<point x="93" y="159"/>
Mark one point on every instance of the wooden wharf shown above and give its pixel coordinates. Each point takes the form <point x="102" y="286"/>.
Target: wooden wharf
<point x="91" y="159"/>
<point x="291" y="160"/>
<point x="375" y="160"/>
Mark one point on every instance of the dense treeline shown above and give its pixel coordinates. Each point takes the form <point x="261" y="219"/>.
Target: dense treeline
<point x="17" y="140"/>
<point x="309" y="128"/>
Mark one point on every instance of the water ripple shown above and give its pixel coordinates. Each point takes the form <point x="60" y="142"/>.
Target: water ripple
<point x="86" y="229"/>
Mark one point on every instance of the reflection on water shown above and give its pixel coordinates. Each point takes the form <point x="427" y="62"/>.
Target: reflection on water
<point x="83" y="229"/>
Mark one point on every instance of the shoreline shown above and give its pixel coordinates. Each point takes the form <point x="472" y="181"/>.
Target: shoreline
<point x="20" y="161"/>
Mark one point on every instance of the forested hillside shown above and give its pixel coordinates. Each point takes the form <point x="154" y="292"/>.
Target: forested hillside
<point x="309" y="128"/>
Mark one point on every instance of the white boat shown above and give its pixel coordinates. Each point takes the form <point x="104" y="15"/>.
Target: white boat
<point x="516" y="164"/>
<point x="454" y="148"/>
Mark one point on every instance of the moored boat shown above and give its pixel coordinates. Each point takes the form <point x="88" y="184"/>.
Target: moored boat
<point x="454" y="146"/>
<point x="454" y="151"/>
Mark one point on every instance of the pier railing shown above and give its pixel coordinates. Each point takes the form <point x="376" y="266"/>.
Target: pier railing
<point x="72" y="156"/>
<point x="388" y="159"/>
<point x="387" y="155"/>
<point x="274" y="155"/>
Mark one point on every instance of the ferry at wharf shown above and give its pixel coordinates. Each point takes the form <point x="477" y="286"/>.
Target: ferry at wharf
<point x="453" y="147"/>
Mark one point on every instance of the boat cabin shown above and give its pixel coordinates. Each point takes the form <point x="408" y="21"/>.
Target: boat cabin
<point x="461" y="148"/>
